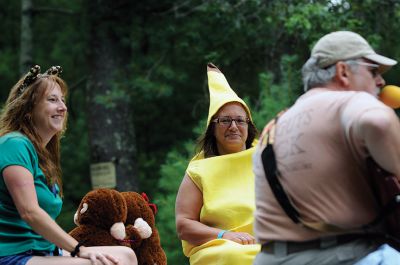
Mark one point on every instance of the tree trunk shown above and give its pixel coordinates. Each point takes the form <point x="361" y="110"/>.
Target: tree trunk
<point x="25" y="59"/>
<point x="111" y="129"/>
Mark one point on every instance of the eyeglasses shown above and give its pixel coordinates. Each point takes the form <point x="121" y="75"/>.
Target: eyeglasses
<point x="373" y="69"/>
<point x="227" y="121"/>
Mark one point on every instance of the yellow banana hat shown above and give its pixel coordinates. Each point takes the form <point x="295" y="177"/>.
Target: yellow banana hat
<point x="390" y="95"/>
<point x="220" y="92"/>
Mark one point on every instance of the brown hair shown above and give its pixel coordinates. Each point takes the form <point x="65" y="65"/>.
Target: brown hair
<point x="17" y="116"/>
<point x="208" y="143"/>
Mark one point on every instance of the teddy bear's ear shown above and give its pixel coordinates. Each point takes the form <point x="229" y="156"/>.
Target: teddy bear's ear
<point x="84" y="208"/>
<point x="78" y="212"/>
<point x="76" y="218"/>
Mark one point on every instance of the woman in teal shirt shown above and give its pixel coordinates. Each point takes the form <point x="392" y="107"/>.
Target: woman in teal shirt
<point x="31" y="125"/>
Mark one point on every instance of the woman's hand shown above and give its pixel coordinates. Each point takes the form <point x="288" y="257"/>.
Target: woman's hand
<point x="239" y="237"/>
<point x="97" y="258"/>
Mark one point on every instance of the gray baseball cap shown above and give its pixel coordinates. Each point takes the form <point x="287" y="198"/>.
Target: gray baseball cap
<point x="345" y="45"/>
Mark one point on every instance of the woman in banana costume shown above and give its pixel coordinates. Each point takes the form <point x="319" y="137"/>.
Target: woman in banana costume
<point x="215" y="202"/>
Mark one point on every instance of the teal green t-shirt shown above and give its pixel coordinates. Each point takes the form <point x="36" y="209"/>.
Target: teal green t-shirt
<point x="16" y="235"/>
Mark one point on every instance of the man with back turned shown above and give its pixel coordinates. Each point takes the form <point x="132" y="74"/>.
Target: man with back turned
<point x="321" y="145"/>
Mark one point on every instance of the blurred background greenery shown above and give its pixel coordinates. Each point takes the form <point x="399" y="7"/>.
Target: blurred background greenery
<point x="143" y="63"/>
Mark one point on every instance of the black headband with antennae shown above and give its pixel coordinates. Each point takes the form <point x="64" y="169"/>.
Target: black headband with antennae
<point x="34" y="73"/>
<point x="29" y="78"/>
<point x="54" y="70"/>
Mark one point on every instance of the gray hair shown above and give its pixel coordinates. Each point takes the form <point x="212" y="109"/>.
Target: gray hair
<point x="314" y="76"/>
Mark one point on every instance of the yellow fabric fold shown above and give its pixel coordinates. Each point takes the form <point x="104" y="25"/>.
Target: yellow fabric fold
<point x="227" y="184"/>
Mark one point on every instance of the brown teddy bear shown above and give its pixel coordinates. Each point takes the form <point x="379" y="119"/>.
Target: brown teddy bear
<point x="106" y="217"/>
<point x="148" y="251"/>
<point x="101" y="218"/>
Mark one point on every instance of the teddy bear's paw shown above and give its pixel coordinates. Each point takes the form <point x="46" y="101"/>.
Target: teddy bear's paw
<point x="143" y="228"/>
<point x="117" y="230"/>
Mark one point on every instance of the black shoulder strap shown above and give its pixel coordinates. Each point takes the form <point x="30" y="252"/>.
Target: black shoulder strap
<point x="271" y="174"/>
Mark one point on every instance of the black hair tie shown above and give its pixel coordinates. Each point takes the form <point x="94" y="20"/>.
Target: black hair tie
<point x="76" y="250"/>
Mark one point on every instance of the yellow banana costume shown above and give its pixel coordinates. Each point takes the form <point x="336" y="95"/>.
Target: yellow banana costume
<point x="227" y="185"/>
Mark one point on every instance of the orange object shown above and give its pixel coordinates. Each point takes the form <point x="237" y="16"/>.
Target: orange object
<point x="390" y="95"/>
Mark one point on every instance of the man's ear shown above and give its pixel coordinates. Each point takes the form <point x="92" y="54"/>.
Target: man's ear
<point x="342" y="74"/>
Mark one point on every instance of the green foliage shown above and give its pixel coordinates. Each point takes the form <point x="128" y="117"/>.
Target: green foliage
<point x="74" y="162"/>
<point x="9" y="47"/>
<point x="116" y="94"/>
<point x="275" y="97"/>
<point x="172" y="172"/>
<point x="8" y="70"/>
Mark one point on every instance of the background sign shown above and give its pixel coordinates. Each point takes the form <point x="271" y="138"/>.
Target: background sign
<point x="103" y="175"/>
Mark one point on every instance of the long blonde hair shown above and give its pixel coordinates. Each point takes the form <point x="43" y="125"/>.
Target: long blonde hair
<point x="17" y="116"/>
